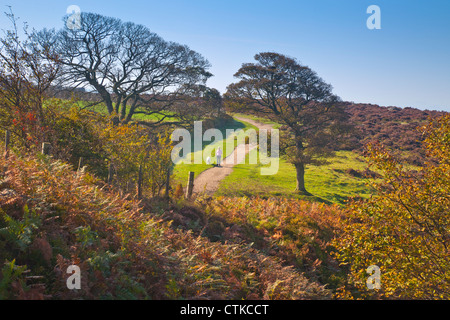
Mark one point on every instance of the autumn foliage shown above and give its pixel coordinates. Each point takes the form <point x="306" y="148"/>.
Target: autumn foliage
<point x="405" y="228"/>
<point x="130" y="148"/>
<point x="53" y="217"/>
<point x="298" y="232"/>
<point x="55" y="213"/>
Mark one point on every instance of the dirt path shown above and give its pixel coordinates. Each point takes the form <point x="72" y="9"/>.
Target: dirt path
<point x="259" y="125"/>
<point x="208" y="181"/>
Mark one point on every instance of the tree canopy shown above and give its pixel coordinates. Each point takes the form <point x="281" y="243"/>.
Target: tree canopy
<point x="295" y="96"/>
<point x="134" y="70"/>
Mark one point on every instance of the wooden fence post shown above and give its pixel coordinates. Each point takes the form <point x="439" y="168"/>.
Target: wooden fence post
<point x="190" y="186"/>
<point x="46" y="148"/>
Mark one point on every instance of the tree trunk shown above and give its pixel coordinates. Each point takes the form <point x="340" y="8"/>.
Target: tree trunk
<point x="106" y="97"/>
<point x="300" y="169"/>
<point x="299" y="164"/>
<point x="131" y="111"/>
<point x="123" y="109"/>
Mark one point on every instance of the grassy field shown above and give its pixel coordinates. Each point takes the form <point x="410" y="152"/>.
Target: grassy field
<point x="101" y="108"/>
<point x="182" y="170"/>
<point x="329" y="183"/>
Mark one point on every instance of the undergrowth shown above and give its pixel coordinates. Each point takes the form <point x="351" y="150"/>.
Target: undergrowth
<point x="53" y="217"/>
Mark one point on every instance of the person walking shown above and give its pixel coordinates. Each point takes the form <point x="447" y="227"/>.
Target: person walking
<point x="219" y="157"/>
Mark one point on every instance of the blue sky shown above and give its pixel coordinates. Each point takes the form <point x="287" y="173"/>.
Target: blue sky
<point x="405" y="64"/>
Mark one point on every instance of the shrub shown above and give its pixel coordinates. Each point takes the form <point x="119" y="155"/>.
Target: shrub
<point x="75" y="134"/>
<point x="405" y="229"/>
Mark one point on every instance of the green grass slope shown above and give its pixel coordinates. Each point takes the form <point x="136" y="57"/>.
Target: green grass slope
<point x="330" y="183"/>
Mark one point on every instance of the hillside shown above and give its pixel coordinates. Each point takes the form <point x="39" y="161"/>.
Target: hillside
<point x="125" y="176"/>
<point x="53" y="217"/>
<point x="393" y="127"/>
<point x="231" y="247"/>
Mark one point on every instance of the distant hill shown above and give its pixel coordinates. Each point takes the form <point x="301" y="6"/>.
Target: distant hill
<point x="393" y="127"/>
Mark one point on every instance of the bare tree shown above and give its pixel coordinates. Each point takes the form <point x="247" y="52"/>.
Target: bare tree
<point x="133" y="69"/>
<point x="297" y="97"/>
<point x="27" y="71"/>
